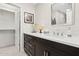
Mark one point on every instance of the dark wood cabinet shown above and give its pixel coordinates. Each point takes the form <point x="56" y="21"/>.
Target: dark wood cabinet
<point x="41" y="47"/>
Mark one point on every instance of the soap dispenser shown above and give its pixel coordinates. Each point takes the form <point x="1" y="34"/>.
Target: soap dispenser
<point x="53" y="21"/>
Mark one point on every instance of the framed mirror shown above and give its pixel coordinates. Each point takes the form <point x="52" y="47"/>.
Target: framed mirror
<point x="62" y="14"/>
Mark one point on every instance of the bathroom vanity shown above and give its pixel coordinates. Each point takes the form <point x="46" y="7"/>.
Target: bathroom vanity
<point x="40" y="45"/>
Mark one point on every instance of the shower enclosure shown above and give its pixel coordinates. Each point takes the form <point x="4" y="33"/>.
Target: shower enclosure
<point x="9" y="26"/>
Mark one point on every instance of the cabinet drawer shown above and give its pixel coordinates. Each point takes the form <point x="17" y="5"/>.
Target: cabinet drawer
<point x="29" y="47"/>
<point x="27" y="43"/>
<point x="27" y="38"/>
<point x="27" y="52"/>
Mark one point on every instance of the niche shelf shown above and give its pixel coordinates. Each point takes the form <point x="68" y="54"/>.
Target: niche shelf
<point x="7" y="20"/>
<point x="7" y="38"/>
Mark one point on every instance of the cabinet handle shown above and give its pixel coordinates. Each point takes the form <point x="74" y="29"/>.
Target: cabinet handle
<point x="45" y="53"/>
<point x="29" y="44"/>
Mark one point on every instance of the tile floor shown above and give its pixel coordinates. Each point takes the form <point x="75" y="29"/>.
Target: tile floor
<point x="11" y="51"/>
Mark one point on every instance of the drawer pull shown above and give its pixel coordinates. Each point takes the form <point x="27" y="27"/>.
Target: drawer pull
<point x="45" y="53"/>
<point x="29" y="44"/>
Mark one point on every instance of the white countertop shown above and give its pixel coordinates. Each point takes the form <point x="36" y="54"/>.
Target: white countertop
<point x="72" y="41"/>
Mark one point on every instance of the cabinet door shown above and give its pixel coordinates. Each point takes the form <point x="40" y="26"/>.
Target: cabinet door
<point x="39" y="48"/>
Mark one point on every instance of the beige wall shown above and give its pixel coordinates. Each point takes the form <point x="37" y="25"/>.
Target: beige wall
<point x="43" y="14"/>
